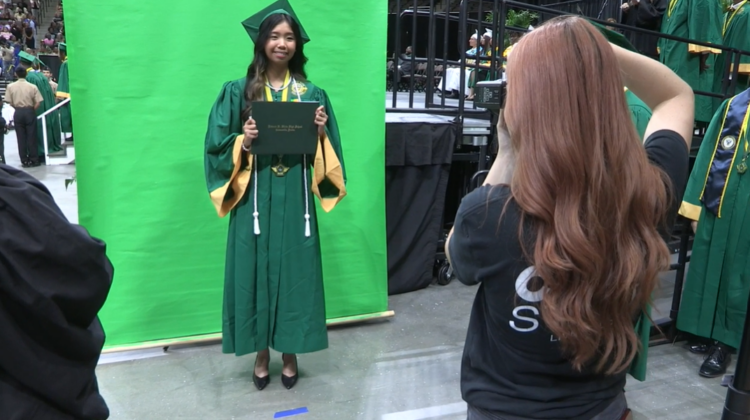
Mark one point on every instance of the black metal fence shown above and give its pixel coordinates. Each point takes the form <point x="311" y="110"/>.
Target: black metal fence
<point x="439" y="32"/>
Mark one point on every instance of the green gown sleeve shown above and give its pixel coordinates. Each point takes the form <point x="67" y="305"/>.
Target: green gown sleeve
<point x="329" y="183"/>
<point x="226" y="164"/>
<point x="643" y="330"/>
<point x="639" y="113"/>
<point x="63" y="85"/>
<point x="691" y="206"/>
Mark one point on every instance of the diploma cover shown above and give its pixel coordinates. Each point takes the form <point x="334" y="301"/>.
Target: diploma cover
<point x="285" y="128"/>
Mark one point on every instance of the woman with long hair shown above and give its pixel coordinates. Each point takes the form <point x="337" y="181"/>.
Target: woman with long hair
<point x="273" y="288"/>
<point x="565" y="237"/>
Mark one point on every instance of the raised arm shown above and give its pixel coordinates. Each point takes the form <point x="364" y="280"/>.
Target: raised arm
<point x="669" y="97"/>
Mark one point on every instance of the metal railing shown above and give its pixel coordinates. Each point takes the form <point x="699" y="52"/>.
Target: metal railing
<point x="44" y="126"/>
<point x="450" y="50"/>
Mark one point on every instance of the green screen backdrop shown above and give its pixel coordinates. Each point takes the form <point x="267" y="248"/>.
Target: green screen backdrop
<point x="143" y="77"/>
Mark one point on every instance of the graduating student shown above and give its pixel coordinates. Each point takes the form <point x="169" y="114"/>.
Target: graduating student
<point x="566" y="236"/>
<point x="735" y="32"/>
<point x="53" y="128"/>
<point x="273" y="291"/>
<point x="714" y="299"/>
<point x="695" y="20"/>
<point x="63" y="90"/>
<point x="54" y="279"/>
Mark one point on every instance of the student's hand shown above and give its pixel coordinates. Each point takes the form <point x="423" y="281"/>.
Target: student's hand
<point x="625" y="6"/>
<point x="320" y="120"/>
<point x="251" y="132"/>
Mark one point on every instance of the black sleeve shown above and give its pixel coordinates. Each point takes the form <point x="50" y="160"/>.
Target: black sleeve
<point x="475" y="232"/>
<point x="650" y="13"/>
<point x="54" y="279"/>
<point x="667" y="150"/>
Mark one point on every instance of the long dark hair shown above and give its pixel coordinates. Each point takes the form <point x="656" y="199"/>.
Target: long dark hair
<point x="256" y="71"/>
<point x="583" y="179"/>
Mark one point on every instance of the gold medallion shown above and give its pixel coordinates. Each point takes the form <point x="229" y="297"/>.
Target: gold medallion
<point x="299" y="89"/>
<point x="279" y="169"/>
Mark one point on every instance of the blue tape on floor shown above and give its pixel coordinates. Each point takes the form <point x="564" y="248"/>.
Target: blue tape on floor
<point x="290" y="413"/>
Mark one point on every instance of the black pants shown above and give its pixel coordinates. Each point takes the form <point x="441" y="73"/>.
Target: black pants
<point x="25" y="121"/>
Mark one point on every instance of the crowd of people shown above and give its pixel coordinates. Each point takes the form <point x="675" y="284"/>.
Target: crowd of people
<point x="35" y="90"/>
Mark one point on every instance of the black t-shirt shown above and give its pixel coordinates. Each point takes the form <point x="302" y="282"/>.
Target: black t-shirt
<point x="512" y="364"/>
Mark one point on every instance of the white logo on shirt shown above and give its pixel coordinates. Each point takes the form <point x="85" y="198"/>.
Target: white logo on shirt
<point x="522" y="289"/>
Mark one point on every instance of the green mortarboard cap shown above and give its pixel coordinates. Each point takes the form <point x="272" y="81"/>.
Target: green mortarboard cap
<point x="614" y="37"/>
<point x="23" y="55"/>
<point x="62" y="46"/>
<point x="252" y="24"/>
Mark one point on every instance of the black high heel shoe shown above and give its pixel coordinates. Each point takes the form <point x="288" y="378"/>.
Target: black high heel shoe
<point x="260" y="383"/>
<point x="290" y="381"/>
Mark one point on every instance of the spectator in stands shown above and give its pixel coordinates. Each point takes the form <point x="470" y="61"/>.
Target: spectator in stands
<point x="7" y="53"/>
<point x="405" y="63"/>
<point x="48" y="75"/>
<point x="566" y="245"/>
<point x="30" y="40"/>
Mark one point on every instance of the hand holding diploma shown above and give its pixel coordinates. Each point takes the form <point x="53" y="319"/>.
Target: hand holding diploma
<point x="251" y="132"/>
<point x="320" y="120"/>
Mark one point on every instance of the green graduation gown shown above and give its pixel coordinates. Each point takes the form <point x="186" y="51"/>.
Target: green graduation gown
<point x="639" y="112"/>
<point x="735" y="32"/>
<point x="698" y="20"/>
<point x="63" y="92"/>
<point x="714" y="299"/>
<point x="273" y="286"/>
<point x="53" y="127"/>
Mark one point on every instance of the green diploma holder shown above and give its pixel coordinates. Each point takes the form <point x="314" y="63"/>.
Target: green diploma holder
<point x="285" y="128"/>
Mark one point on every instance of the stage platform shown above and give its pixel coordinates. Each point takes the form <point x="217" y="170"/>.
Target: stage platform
<point x="472" y="126"/>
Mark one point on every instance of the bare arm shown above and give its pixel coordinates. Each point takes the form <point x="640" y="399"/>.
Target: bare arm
<point x="671" y="99"/>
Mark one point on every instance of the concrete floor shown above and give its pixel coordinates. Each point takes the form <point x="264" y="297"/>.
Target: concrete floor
<point x="405" y="368"/>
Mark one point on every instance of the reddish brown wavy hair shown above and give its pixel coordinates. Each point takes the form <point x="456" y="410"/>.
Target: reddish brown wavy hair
<point x="584" y="182"/>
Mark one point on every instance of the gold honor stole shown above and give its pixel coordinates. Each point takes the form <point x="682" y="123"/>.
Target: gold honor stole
<point x="731" y="135"/>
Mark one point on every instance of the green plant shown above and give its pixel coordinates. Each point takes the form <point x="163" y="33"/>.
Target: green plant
<point x="522" y="19"/>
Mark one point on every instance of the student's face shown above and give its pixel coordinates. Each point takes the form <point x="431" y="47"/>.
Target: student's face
<point x="47" y="74"/>
<point x="473" y="42"/>
<point x="281" y="44"/>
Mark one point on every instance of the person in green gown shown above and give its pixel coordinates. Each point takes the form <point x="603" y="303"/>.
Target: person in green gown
<point x="735" y="33"/>
<point x="273" y="289"/>
<point x="714" y="298"/>
<point x="53" y="128"/>
<point x="698" y="20"/>
<point x="639" y="112"/>
<point x="63" y="91"/>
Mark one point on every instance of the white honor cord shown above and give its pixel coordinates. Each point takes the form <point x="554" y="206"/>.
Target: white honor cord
<point x="307" y="204"/>
<point x="304" y="175"/>
<point x="256" y="224"/>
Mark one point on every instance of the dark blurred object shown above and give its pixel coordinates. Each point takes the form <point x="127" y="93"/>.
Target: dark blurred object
<point x="490" y="95"/>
